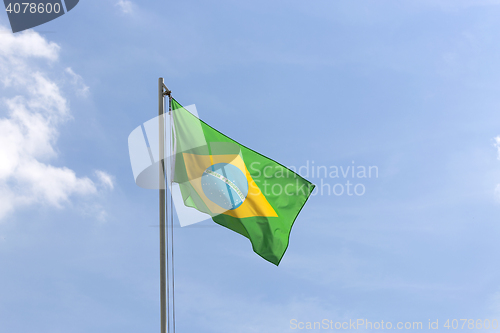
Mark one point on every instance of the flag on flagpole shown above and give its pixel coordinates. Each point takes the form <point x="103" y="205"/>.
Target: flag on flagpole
<point x="237" y="187"/>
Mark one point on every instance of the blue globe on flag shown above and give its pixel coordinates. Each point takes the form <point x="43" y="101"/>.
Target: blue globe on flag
<point x="225" y="184"/>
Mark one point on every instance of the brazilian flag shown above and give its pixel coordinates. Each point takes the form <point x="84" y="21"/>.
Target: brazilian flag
<point x="239" y="188"/>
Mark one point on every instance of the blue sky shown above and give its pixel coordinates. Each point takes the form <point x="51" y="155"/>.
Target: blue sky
<point x="409" y="87"/>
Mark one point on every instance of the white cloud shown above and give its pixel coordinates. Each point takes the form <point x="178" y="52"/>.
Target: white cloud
<point x="125" y="6"/>
<point x="497" y="145"/>
<point x="78" y="82"/>
<point x="105" y="179"/>
<point x="50" y="184"/>
<point x="26" y="45"/>
<point x="17" y="49"/>
<point x="29" y="119"/>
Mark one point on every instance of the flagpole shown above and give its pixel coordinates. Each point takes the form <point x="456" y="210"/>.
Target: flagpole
<point x="164" y="241"/>
<point x="163" y="266"/>
<point x="170" y="259"/>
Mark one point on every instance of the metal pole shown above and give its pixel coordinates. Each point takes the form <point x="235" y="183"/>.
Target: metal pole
<point x="163" y="266"/>
<point x="170" y="241"/>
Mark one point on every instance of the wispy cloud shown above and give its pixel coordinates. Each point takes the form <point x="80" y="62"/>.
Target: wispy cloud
<point x="105" y="179"/>
<point x="78" y="82"/>
<point x="30" y="113"/>
<point x="125" y="6"/>
<point x="497" y="145"/>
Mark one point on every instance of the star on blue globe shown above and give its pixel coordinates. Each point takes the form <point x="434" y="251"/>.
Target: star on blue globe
<point x="225" y="185"/>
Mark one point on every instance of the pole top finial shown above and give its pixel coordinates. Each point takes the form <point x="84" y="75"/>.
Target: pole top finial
<point x="166" y="91"/>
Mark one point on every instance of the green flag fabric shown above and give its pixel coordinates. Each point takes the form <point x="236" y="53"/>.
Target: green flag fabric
<point x="239" y="188"/>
